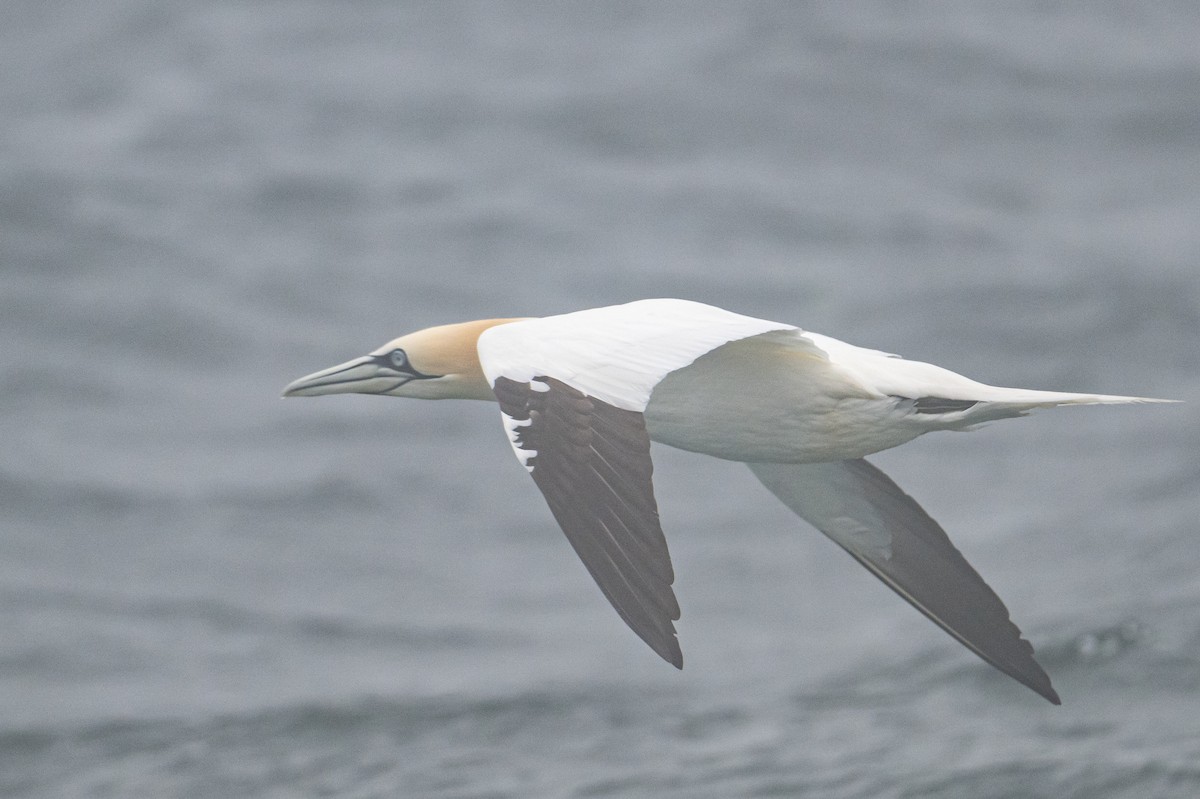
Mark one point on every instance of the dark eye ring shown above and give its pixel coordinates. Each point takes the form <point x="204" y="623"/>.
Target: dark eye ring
<point x="398" y="359"/>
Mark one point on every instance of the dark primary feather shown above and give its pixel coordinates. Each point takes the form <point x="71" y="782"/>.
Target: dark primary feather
<point x="592" y="463"/>
<point x="920" y="563"/>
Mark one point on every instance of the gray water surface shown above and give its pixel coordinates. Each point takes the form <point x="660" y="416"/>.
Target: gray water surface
<point x="207" y="592"/>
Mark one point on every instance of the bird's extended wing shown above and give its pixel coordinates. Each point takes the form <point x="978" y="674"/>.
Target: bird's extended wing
<point x="884" y="529"/>
<point x="591" y="461"/>
<point x="573" y="389"/>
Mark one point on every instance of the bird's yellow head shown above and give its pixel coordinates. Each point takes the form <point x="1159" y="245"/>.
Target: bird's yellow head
<point x="435" y="363"/>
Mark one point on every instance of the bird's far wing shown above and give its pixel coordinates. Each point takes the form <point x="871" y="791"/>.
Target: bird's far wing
<point x="591" y="461"/>
<point x="884" y="529"/>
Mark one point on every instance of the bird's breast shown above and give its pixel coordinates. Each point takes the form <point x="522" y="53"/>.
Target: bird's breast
<point x="765" y="399"/>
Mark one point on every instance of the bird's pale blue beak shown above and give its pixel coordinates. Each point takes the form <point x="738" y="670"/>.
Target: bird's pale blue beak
<point x="365" y="375"/>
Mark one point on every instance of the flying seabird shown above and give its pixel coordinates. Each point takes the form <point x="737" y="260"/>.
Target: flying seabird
<point x="583" y="394"/>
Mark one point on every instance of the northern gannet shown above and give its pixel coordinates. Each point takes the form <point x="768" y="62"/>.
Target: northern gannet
<point x="583" y="394"/>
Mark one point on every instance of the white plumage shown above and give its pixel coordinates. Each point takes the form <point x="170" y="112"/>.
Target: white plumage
<point x="616" y="354"/>
<point x="582" y="394"/>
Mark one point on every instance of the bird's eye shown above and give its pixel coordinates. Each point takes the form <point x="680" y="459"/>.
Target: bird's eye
<point x="398" y="359"/>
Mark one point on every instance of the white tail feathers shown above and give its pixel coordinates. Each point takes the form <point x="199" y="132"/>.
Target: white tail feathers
<point x="997" y="402"/>
<point x="1046" y="399"/>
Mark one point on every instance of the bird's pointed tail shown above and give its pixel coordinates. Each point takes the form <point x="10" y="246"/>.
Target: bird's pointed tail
<point x="997" y="402"/>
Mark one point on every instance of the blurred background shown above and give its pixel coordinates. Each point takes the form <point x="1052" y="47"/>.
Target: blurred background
<point x="208" y="592"/>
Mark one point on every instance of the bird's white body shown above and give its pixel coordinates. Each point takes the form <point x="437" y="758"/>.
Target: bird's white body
<point x="745" y="389"/>
<point x="582" y="394"/>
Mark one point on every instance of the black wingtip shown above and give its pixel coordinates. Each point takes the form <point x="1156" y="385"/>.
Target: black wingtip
<point x="1051" y="696"/>
<point x="1029" y="673"/>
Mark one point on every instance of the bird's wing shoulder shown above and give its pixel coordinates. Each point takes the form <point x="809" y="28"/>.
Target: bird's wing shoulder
<point x="616" y="354"/>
